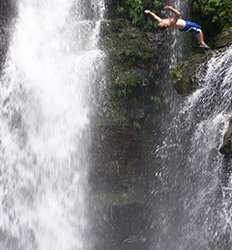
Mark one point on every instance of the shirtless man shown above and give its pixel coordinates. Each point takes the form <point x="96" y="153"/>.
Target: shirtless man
<point x="177" y="22"/>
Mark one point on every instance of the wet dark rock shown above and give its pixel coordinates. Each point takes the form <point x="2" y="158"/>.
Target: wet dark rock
<point x="135" y="61"/>
<point x="7" y="12"/>
<point x="122" y="156"/>
<point x="126" y="228"/>
<point x="226" y="148"/>
<point x="115" y="9"/>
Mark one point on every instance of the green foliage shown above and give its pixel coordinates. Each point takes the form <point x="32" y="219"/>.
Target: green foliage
<point x="136" y="9"/>
<point x="214" y="15"/>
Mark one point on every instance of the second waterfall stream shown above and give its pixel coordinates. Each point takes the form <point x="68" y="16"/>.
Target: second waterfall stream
<point x="194" y="208"/>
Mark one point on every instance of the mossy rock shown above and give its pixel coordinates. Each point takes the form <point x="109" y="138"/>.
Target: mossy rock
<point x="185" y="76"/>
<point x="126" y="44"/>
<point x="133" y="71"/>
<point x="130" y="79"/>
<point x="226" y="147"/>
<point x="132" y="58"/>
<point x="223" y="39"/>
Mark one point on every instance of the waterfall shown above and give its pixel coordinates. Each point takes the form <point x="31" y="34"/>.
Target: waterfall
<point x="177" y="41"/>
<point x="192" y="188"/>
<point x="175" y="47"/>
<point x="45" y="94"/>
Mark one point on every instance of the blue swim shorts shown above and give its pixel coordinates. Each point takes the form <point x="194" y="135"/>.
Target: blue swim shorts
<point x="191" y="26"/>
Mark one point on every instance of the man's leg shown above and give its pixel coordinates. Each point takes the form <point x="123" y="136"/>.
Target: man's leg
<point x="200" y="37"/>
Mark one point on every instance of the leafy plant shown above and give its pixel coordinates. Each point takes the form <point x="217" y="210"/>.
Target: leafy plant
<point x="136" y="11"/>
<point x="214" y="15"/>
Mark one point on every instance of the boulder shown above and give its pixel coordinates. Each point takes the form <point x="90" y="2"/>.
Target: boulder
<point x="223" y="39"/>
<point x="226" y="147"/>
<point x="186" y="75"/>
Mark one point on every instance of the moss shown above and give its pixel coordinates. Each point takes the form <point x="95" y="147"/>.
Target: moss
<point x="129" y="79"/>
<point x="119" y="117"/>
<point x="181" y="83"/>
<point x="133" y="71"/>
<point x="126" y="44"/>
<point x="130" y="56"/>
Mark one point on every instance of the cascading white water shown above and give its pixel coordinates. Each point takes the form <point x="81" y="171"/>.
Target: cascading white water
<point x="195" y="203"/>
<point x="44" y="95"/>
<point x="177" y="44"/>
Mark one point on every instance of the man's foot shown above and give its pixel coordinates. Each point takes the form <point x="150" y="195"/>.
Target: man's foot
<point x="204" y="46"/>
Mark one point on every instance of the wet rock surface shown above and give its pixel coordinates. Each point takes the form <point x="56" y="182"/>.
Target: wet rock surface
<point x="122" y="133"/>
<point x="7" y="12"/>
<point x="226" y="148"/>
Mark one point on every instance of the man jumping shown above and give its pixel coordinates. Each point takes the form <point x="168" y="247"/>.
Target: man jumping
<point x="177" y="22"/>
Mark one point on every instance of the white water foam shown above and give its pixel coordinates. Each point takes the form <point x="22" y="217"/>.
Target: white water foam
<point x="196" y="176"/>
<point x="45" y="107"/>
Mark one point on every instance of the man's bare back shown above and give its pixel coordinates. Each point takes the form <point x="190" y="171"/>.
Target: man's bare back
<point x="177" y="22"/>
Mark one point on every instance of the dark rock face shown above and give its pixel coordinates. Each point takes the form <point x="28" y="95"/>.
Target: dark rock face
<point x="226" y="148"/>
<point x="224" y="38"/>
<point x="118" y="182"/>
<point x="185" y="76"/>
<point x="133" y="55"/>
<point x="134" y="64"/>
<point x="122" y="132"/>
<point x="7" y="12"/>
<point x="125" y="228"/>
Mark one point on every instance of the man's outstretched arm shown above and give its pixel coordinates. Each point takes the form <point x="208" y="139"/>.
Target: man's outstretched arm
<point x="157" y="18"/>
<point x="175" y="11"/>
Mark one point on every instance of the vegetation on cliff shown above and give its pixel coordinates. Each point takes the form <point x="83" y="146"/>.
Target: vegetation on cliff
<point x="214" y="15"/>
<point x="133" y="70"/>
<point x="137" y="57"/>
<point x="134" y="11"/>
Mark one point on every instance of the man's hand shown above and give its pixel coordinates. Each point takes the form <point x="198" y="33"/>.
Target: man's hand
<point x="175" y="11"/>
<point x="147" y="12"/>
<point x="167" y="7"/>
